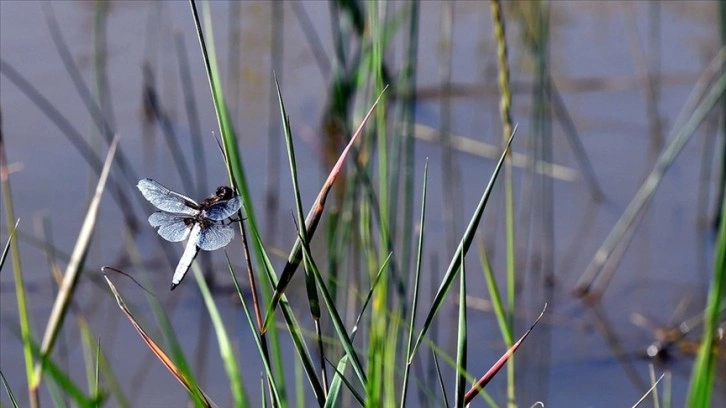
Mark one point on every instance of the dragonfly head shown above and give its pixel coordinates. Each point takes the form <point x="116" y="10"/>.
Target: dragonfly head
<point x="224" y="193"/>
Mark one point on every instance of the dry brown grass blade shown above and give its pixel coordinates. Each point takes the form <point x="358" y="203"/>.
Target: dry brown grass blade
<point x="311" y="222"/>
<point x="190" y="386"/>
<point x="484" y="380"/>
<point x="74" y="268"/>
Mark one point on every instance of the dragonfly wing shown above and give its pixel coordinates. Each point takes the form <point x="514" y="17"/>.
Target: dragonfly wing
<point x="190" y="252"/>
<point x="172" y="227"/>
<point x="215" y="236"/>
<point x="223" y="209"/>
<point x="165" y="199"/>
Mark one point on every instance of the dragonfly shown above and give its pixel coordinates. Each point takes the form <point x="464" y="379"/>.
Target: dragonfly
<point x="204" y="225"/>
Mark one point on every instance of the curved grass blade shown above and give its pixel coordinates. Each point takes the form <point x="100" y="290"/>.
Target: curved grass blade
<point x="335" y="318"/>
<point x="311" y="222"/>
<point x="239" y="395"/>
<point x="258" y="341"/>
<point x="194" y="391"/>
<point x="340" y="378"/>
<point x="484" y="380"/>
<point x="462" y="249"/>
<point x="337" y="380"/>
<point x="75" y="266"/>
<point x="295" y="332"/>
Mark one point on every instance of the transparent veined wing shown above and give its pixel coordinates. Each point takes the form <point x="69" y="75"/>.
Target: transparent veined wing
<point x="172" y="227"/>
<point x="223" y="209"/>
<point x="165" y="199"/>
<point x="215" y="236"/>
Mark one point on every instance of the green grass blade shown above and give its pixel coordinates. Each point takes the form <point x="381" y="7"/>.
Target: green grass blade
<point x="295" y="333"/>
<point x="461" y="341"/>
<point x="312" y="293"/>
<point x="441" y="380"/>
<point x="20" y="292"/>
<point x="340" y="377"/>
<point x="311" y="222"/>
<point x="416" y="287"/>
<point x="64" y="381"/>
<point x="334" y="316"/>
<point x="704" y="370"/>
<point x="337" y="380"/>
<point x="462" y="249"/>
<point x="258" y="341"/>
<point x="239" y="396"/>
<point x="496" y="297"/>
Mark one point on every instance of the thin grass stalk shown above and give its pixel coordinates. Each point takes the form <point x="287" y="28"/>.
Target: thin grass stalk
<point x="312" y="219"/>
<point x="11" y="235"/>
<point x="650" y="390"/>
<point x="234" y="167"/>
<point x="704" y="369"/>
<point x="495" y="295"/>
<point x="239" y="395"/>
<point x="463" y="247"/>
<point x="416" y="287"/>
<point x="20" y="291"/>
<point x="75" y="266"/>
<point x="340" y="368"/>
<point x="259" y="341"/>
<point x="11" y="396"/>
<point x="441" y="380"/>
<point x="721" y="193"/>
<point x="461" y="344"/>
<point x="505" y="106"/>
<point x="313" y="300"/>
<point x="293" y="329"/>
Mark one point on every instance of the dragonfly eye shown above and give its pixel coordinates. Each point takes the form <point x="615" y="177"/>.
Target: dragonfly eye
<point x="224" y="193"/>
